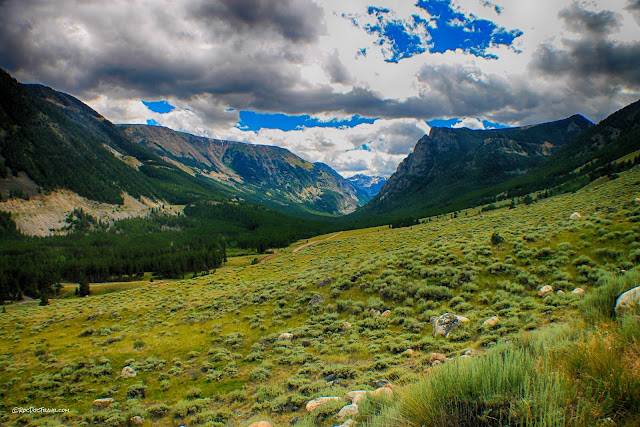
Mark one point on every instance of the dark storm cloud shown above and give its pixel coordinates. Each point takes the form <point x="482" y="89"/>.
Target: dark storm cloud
<point x="88" y="47"/>
<point x="295" y="20"/>
<point x="581" y="20"/>
<point x="588" y="59"/>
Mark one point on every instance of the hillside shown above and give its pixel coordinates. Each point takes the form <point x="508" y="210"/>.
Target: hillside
<point x="211" y="351"/>
<point x="258" y="173"/>
<point x="54" y="141"/>
<point x="449" y="164"/>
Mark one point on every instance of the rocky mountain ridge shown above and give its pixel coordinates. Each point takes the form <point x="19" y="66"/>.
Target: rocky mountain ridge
<point x="259" y="173"/>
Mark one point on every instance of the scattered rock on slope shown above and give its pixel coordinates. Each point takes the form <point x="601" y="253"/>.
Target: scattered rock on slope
<point x="444" y="324"/>
<point x="314" y="404"/>
<point x="128" y="372"/>
<point x="545" y="290"/>
<point x="347" y="411"/>
<point x="102" y="403"/>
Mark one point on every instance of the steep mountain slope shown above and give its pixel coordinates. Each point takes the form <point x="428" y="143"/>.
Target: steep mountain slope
<point x="449" y="164"/>
<point x="259" y="173"/>
<point x="371" y="185"/>
<point x="54" y="141"/>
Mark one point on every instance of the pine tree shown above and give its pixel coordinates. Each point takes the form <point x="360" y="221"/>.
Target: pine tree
<point x="83" y="287"/>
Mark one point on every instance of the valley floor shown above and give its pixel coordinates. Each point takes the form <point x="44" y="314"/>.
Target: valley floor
<point x="210" y="351"/>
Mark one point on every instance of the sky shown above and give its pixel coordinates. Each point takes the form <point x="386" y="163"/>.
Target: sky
<point x="350" y="83"/>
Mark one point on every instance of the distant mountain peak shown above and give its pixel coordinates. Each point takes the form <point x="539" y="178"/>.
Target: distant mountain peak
<point x="370" y="185"/>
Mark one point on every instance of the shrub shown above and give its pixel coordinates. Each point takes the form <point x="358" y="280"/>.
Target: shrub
<point x="137" y="391"/>
<point x="435" y="293"/>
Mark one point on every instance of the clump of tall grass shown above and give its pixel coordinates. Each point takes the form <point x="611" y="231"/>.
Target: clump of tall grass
<point x="600" y="303"/>
<point x="505" y="387"/>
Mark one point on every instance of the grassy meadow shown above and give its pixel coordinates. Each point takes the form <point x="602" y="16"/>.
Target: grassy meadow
<point x="207" y="351"/>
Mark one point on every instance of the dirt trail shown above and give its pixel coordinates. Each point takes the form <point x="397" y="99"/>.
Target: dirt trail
<point x="317" y="241"/>
<point x="269" y="257"/>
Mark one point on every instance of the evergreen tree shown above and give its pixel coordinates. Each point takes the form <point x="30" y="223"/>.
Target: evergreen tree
<point x="83" y="287"/>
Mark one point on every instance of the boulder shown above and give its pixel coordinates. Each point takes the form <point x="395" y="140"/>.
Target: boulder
<point x="285" y="336"/>
<point x="578" y="291"/>
<point x="128" y="372"/>
<point x="628" y="302"/>
<point x="409" y="352"/>
<point x="355" y="396"/>
<point x="636" y="201"/>
<point x="387" y="389"/>
<point x="136" y="420"/>
<point x="103" y="403"/>
<point x="560" y="292"/>
<point x="314" y="404"/>
<point x="386" y="313"/>
<point x="491" y="321"/>
<point x="346" y="325"/>
<point x="437" y="357"/>
<point x="544" y="290"/>
<point x="261" y="424"/>
<point x="574" y="216"/>
<point x="348" y="411"/>
<point x="443" y="325"/>
<point x="374" y="312"/>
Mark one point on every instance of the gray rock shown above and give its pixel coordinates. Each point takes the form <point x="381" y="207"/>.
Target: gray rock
<point x="545" y="290"/>
<point x="443" y="325"/>
<point x="491" y="321"/>
<point x="355" y="396"/>
<point x="348" y="411"/>
<point x="102" y="403"/>
<point x="578" y="291"/>
<point x="136" y="420"/>
<point x="314" y="404"/>
<point x="628" y="302"/>
<point x="128" y="372"/>
<point x="285" y="336"/>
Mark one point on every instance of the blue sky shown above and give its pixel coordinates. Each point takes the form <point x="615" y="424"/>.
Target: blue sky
<point x="353" y="84"/>
<point x="253" y="121"/>
<point x="446" y="30"/>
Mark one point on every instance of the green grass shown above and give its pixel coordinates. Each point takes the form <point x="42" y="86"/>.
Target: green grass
<point x="217" y="333"/>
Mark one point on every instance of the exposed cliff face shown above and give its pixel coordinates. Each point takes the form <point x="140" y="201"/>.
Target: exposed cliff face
<point x="449" y="162"/>
<point x="260" y="173"/>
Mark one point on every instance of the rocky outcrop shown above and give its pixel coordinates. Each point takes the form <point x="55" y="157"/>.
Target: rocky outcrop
<point x="470" y="160"/>
<point x="575" y="216"/>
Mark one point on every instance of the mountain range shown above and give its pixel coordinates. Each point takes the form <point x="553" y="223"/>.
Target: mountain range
<point x="258" y="173"/>
<point x="50" y="140"/>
